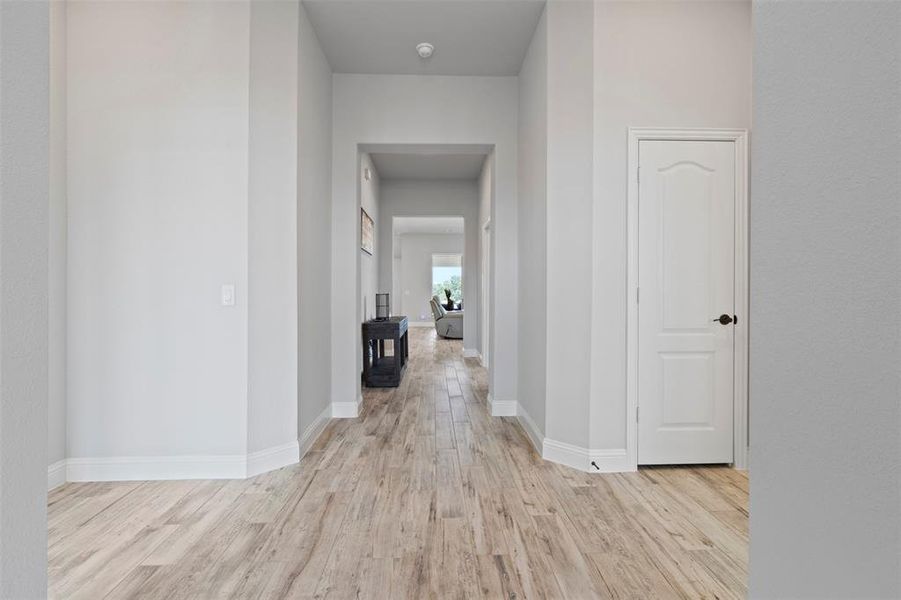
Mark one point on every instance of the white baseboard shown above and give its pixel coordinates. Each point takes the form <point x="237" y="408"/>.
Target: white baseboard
<point x="152" y="468"/>
<point x="565" y="454"/>
<point x="346" y="410"/>
<point x="614" y="460"/>
<point x="577" y="457"/>
<point x="472" y="353"/>
<point x="535" y="435"/>
<point x="56" y="474"/>
<point x="501" y="408"/>
<point x="313" y="430"/>
<point x="141" y="468"/>
<point x="420" y="323"/>
<point x="155" y="468"/>
<point x="272" y="458"/>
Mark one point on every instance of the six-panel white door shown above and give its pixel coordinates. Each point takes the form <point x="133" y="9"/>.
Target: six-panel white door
<point x="686" y="273"/>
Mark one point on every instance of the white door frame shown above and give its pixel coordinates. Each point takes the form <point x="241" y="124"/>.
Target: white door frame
<point x="740" y="138"/>
<point x="485" y="282"/>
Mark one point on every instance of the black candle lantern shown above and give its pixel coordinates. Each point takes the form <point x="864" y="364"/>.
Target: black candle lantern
<point x="382" y="307"/>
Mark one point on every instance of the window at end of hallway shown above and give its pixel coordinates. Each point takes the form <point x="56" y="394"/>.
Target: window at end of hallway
<point x="447" y="274"/>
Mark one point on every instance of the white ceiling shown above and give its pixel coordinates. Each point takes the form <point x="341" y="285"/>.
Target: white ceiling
<point x="404" y="225"/>
<point x="484" y="37"/>
<point x="427" y="166"/>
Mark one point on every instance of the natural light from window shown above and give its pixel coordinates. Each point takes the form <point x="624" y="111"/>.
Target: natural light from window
<point x="447" y="274"/>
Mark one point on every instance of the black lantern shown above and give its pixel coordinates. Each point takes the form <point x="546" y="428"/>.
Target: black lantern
<point x="382" y="307"/>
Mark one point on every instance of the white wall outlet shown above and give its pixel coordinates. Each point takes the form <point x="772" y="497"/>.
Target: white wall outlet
<point x="228" y="294"/>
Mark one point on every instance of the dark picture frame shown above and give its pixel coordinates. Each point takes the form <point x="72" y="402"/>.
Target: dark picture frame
<point x="367" y="232"/>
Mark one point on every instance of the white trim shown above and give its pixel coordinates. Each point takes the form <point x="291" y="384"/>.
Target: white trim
<point x="346" y="410"/>
<point x="272" y="458"/>
<point x="532" y="431"/>
<point x="139" y="468"/>
<point x="56" y="474"/>
<point x="420" y="323"/>
<point x="565" y="454"/>
<point x="577" y="457"/>
<point x="153" y="468"/>
<point x="501" y="408"/>
<point x="740" y="396"/>
<point x="313" y="431"/>
<point x="472" y="353"/>
<point x="610" y="461"/>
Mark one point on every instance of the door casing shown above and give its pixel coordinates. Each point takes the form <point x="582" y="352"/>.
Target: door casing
<point x="485" y="247"/>
<point x="740" y="395"/>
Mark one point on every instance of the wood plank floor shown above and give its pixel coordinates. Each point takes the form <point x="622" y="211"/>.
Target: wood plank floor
<point x="424" y="496"/>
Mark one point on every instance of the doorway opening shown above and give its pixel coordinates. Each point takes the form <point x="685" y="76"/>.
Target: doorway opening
<point x="424" y="205"/>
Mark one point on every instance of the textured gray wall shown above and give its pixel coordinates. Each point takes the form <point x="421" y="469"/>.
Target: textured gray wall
<point x="825" y="298"/>
<point x="24" y="275"/>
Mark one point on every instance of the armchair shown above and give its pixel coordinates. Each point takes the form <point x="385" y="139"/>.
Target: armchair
<point x="447" y="324"/>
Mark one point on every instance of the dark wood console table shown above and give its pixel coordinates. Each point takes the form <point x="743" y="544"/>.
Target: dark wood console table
<point x="380" y="370"/>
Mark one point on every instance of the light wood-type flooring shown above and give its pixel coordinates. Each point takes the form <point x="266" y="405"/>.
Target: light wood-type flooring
<point x="424" y="496"/>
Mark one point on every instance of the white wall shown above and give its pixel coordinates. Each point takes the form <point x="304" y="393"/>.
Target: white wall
<point x="24" y="274"/>
<point x="314" y="176"/>
<point x="272" y="226"/>
<point x="192" y="164"/>
<point x="569" y="213"/>
<point x="421" y="110"/>
<point x="415" y="272"/>
<point x="825" y="343"/>
<point x="532" y="186"/>
<point x="158" y="221"/>
<point x="369" y="267"/>
<point x="436" y="198"/>
<point x="690" y="69"/>
<point x="58" y="237"/>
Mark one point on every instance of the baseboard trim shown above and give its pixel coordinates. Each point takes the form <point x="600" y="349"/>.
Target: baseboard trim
<point x="611" y="461"/>
<point x="346" y="410"/>
<point x="420" y="323"/>
<point x="152" y="468"/>
<point x="532" y="431"/>
<point x="272" y="458"/>
<point x="577" y="457"/>
<point x="472" y="353"/>
<point x="313" y="431"/>
<point x="56" y="474"/>
<point x="155" y="468"/>
<point x="501" y="408"/>
<point x="565" y="454"/>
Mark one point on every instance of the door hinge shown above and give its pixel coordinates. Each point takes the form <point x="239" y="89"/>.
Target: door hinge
<point x="637" y="294"/>
<point x="636" y="414"/>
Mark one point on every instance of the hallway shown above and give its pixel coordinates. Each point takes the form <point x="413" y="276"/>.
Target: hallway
<point x="423" y="496"/>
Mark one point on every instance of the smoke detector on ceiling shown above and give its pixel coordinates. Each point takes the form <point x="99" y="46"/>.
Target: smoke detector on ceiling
<point x="425" y="50"/>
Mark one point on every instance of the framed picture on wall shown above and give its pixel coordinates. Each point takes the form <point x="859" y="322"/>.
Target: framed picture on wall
<point x="367" y="232"/>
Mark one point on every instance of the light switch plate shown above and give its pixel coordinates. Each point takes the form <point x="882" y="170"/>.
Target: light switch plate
<point x="228" y="294"/>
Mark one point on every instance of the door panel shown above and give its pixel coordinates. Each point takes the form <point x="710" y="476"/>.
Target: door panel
<point x="686" y="221"/>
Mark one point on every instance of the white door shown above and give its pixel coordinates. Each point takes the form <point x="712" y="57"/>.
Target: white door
<point x="686" y="278"/>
